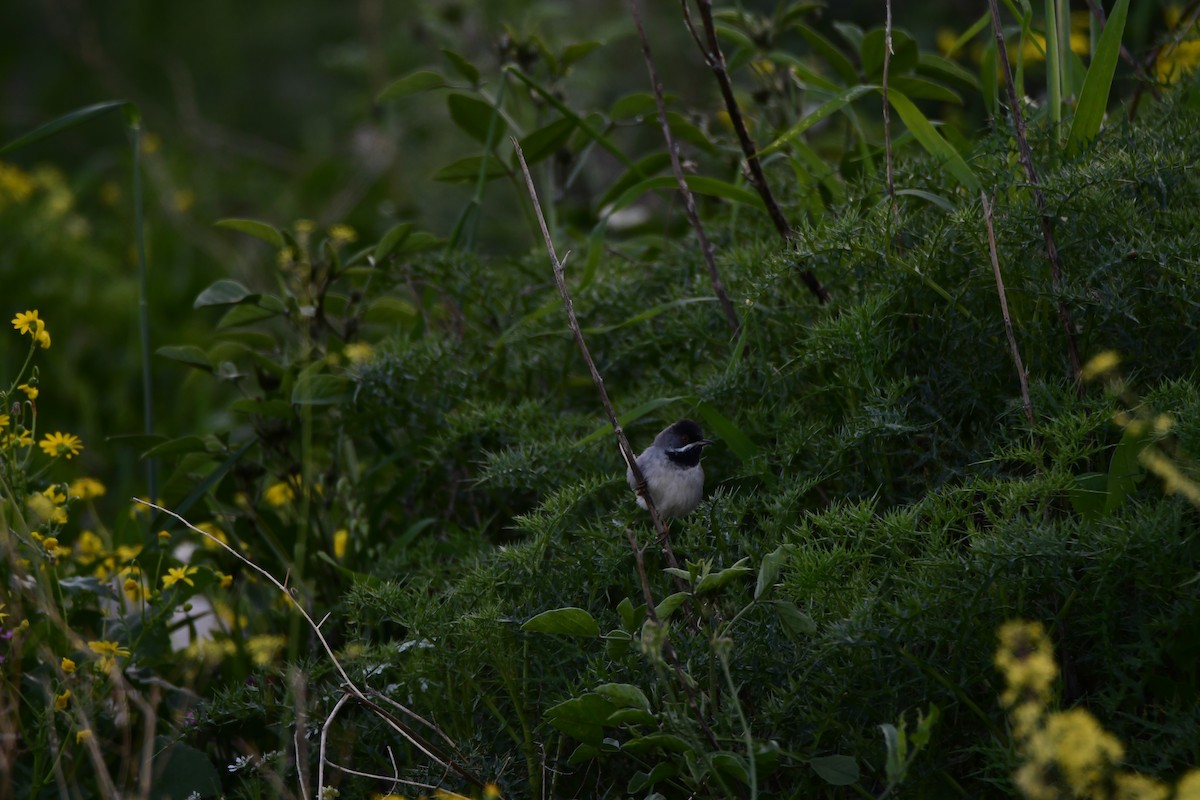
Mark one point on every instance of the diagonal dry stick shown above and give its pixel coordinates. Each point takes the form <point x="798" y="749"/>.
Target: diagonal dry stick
<point x="715" y="58"/>
<point x="1026" y="157"/>
<point x="1008" y="326"/>
<point x="560" y="279"/>
<point x="689" y="202"/>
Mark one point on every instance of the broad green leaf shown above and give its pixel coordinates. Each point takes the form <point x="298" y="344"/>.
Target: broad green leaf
<point x="933" y="65"/>
<point x="930" y="197"/>
<point x="420" y="81"/>
<point x="666" y="742"/>
<point x="648" y="165"/>
<point x="730" y="765"/>
<point x="566" y="621"/>
<point x="716" y="580"/>
<point x="68" y="120"/>
<point x="280" y="409"/>
<point x="181" y="770"/>
<point x="259" y="230"/>
<point x="696" y="183"/>
<point x="174" y="447"/>
<point x="1089" y="495"/>
<point x="795" y="621"/>
<point x="669" y="604"/>
<point x="682" y="128"/>
<point x="186" y="354"/>
<point x="419" y="242"/>
<point x="582" y="718"/>
<point x="816" y="115"/>
<point x="393" y="238"/>
<point x="1125" y="470"/>
<point x="631" y="616"/>
<point x="462" y="66"/>
<point x="630" y="416"/>
<point x="631" y="717"/>
<point x="223" y="293"/>
<point x="573" y="53"/>
<point x="625" y="695"/>
<point x="466" y="170"/>
<point x="836" y="770"/>
<point x="1093" y="99"/>
<point x="768" y="571"/>
<point x="729" y="434"/>
<point x="638" y="104"/>
<point x="245" y="314"/>
<point x="546" y="141"/>
<point x="475" y="117"/>
<point x="390" y="310"/>
<point x="932" y="141"/>
<point x="316" y="388"/>
<point x="644" y="780"/>
<point x="924" y="89"/>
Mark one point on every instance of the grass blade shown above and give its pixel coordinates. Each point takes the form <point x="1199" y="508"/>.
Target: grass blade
<point x="1093" y="100"/>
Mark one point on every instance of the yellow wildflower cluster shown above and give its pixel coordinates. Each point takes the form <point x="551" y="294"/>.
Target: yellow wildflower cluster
<point x="1066" y="754"/>
<point x="27" y="322"/>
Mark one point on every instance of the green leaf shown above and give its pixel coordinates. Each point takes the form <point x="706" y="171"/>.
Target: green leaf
<point x="68" y="120"/>
<point x="391" y="240"/>
<point x="181" y="770"/>
<point x="729" y="434"/>
<point x="716" y="580"/>
<point x="574" y="53"/>
<point x="474" y="117"/>
<point x="930" y="197"/>
<point x="462" y="66"/>
<point x="730" y="765"/>
<point x="546" y="141"/>
<point x="186" y="354"/>
<point x="795" y="621"/>
<point x="390" y="310"/>
<point x="669" y="604"/>
<point x="280" y="409"/>
<point x="644" y="780"/>
<point x="823" y="111"/>
<point x="174" y="447"/>
<point x="420" y="81"/>
<point x="1125" y="469"/>
<point x="466" y="170"/>
<point x="629" y="417"/>
<point x="223" y="293"/>
<point x="666" y="742"/>
<point x="830" y="53"/>
<point x="582" y="717"/>
<point x="924" y="89"/>
<point x="836" y="770"/>
<point x="697" y="184"/>
<point x="638" y="104"/>
<point x="568" y="621"/>
<point x="259" y="230"/>
<point x="631" y="717"/>
<point x="246" y="314"/>
<point x="648" y="314"/>
<point x="932" y="141"/>
<point x="1093" y="98"/>
<point x="631" y="617"/>
<point x="624" y="695"/>
<point x="314" y="387"/>
<point x="647" y="165"/>
<point x="768" y="571"/>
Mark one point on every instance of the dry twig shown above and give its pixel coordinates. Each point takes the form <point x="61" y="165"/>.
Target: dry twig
<point x="1008" y="326"/>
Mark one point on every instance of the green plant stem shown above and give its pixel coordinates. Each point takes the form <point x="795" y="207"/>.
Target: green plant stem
<point x="143" y="302"/>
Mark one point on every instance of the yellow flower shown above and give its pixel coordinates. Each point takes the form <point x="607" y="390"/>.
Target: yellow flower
<point x="1081" y="749"/>
<point x="1132" y="786"/>
<point x="176" y="574"/>
<point x="68" y="666"/>
<point x="43" y="338"/>
<point x="342" y="233"/>
<point x="58" y="444"/>
<point x="444" y="794"/>
<point x="164" y="536"/>
<point x="491" y="791"/>
<point x="44" y="509"/>
<point x="27" y="321"/>
<point x="88" y="547"/>
<point x="83" y="735"/>
<point x="340" y="538"/>
<point x="1100" y="364"/>
<point x="30" y="391"/>
<point x="3" y="613"/>
<point x="108" y="652"/>
<point x="226" y="580"/>
<point x="133" y="589"/>
<point x="358" y="352"/>
<point x="279" y="494"/>
<point x="61" y="700"/>
<point x="55" y="551"/>
<point x="3" y="420"/>
<point x="86" y="488"/>
<point x="1188" y="787"/>
<point x="265" y="647"/>
<point x="213" y="531"/>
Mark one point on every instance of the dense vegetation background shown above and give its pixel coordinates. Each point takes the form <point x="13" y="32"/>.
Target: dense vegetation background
<point x="368" y="405"/>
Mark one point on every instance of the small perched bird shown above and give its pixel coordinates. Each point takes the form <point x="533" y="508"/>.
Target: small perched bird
<point x="672" y="469"/>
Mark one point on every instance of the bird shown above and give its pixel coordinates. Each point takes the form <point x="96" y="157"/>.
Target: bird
<point x="671" y="467"/>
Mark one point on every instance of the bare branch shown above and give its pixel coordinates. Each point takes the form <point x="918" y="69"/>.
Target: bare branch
<point x="1026" y="158"/>
<point x="1008" y="326"/>
<point x="689" y="202"/>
